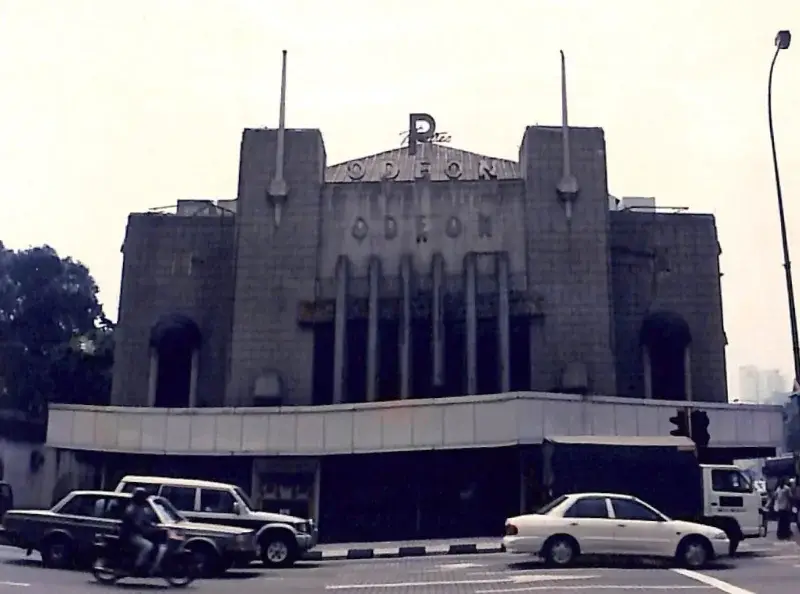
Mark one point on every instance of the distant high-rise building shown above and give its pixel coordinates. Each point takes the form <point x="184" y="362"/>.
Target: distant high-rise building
<point x="748" y="383"/>
<point x="761" y="385"/>
<point x="773" y="383"/>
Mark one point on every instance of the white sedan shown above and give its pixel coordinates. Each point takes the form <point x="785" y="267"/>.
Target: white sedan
<point x="611" y="524"/>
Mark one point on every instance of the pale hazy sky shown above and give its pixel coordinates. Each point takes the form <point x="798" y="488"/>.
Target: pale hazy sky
<point x="108" y="107"/>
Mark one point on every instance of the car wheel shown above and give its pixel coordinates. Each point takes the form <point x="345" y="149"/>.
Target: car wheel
<point x="560" y="551"/>
<point x="207" y="562"/>
<point x="278" y="550"/>
<point x="694" y="552"/>
<point x="57" y="552"/>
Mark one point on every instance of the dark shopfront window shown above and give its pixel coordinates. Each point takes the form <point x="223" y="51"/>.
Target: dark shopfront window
<point x="414" y="495"/>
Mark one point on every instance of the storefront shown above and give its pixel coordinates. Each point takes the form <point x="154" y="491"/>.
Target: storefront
<point x="437" y="468"/>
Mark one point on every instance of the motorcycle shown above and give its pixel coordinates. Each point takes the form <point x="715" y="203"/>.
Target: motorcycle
<point x="114" y="561"/>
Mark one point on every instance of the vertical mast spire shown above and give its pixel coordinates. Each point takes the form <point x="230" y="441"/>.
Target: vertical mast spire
<point x="565" y="117"/>
<point x="278" y="190"/>
<point x="568" y="187"/>
<point x="279" y="154"/>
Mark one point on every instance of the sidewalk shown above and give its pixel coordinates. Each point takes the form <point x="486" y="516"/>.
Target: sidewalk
<point x="408" y="548"/>
<point x="769" y="544"/>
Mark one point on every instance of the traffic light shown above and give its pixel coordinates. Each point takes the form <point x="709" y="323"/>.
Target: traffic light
<point x="681" y="424"/>
<point x="700" y="434"/>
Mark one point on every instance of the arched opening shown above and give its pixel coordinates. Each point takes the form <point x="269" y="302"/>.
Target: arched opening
<point x="174" y="358"/>
<point x="665" y="340"/>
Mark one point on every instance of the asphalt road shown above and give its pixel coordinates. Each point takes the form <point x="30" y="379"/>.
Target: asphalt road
<point x="778" y="572"/>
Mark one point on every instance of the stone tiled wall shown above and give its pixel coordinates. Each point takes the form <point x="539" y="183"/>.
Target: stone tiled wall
<point x="174" y="265"/>
<point x="276" y="265"/>
<point x="568" y="263"/>
<point x="664" y="261"/>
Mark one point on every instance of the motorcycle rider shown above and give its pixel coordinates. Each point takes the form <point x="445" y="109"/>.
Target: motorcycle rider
<point x="137" y="528"/>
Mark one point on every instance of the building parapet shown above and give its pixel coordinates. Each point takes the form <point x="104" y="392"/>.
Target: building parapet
<point x="459" y="422"/>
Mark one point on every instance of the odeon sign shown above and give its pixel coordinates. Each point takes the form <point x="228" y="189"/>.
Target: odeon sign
<point x="421" y="130"/>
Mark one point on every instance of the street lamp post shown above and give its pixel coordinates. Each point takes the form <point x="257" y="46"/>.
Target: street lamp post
<point x="782" y="42"/>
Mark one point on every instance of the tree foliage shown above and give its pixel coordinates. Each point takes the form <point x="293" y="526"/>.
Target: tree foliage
<point x="56" y="343"/>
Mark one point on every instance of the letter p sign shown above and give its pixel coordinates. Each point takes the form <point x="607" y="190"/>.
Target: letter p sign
<point x="420" y="133"/>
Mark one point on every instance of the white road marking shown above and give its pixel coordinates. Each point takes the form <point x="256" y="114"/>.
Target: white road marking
<point x="517" y="579"/>
<point x="593" y="588"/>
<point x="506" y="572"/>
<point x="456" y="566"/>
<point x="17" y="584"/>
<point x="712" y="581"/>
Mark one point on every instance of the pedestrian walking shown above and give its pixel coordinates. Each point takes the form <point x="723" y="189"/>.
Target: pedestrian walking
<point x="783" y="507"/>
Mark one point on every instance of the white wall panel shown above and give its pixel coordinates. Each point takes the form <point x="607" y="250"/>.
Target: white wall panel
<point x="282" y="431"/>
<point x="339" y="432"/>
<point x="129" y="438"/>
<point x="427" y="427"/>
<point x="397" y="430"/>
<point x="154" y="431"/>
<point x="485" y="421"/>
<point x="254" y="434"/>
<point x="311" y="433"/>
<point x="83" y="427"/>
<point x="106" y="430"/>
<point x="228" y="432"/>
<point x="459" y="424"/>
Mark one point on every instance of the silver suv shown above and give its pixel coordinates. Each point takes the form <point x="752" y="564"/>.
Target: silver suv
<point x="281" y="539"/>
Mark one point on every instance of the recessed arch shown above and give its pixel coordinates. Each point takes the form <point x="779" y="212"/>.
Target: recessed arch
<point x="665" y="329"/>
<point x="175" y="330"/>
<point x="665" y="338"/>
<point x="175" y="341"/>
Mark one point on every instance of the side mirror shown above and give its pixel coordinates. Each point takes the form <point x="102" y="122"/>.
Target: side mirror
<point x="237" y="508"/>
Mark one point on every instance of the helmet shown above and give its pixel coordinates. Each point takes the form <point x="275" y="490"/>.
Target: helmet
<point x="139" y="496"/>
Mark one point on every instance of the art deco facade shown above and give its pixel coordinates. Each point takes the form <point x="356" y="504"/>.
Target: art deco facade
<point x="400" y="276"/>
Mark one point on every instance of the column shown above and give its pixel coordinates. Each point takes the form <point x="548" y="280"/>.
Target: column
<point x="648" y="374"/>
<point x="503" y="323"/>
<point x="687" y="372"/>
<point x="405" y="327"/>
<point x="195" y="371"/>
<point x="152" y="385"/>
<point x="471" y="315"/>
<point x="372" y="328"/>
<point x="316" y="493"/>
<point x="340" y="330"/>
<point x="437" y="321"/>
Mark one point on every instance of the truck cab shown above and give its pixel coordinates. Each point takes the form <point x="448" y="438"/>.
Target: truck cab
<point x="731" y="502"/>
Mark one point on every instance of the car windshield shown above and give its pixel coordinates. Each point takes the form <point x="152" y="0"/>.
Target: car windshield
<point x="245" y="499"/>
<point x="543" y="511"/>
<point x="167" y="514"/>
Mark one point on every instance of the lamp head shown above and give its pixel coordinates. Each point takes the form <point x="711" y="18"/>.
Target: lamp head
<point x="783" y="39"/>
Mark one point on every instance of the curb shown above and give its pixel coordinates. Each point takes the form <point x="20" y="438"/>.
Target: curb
<point x="401" y="552"/>
<point x="453" y="549"/>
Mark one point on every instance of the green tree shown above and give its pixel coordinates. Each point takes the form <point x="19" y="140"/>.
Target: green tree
<point x="56" y="343"/>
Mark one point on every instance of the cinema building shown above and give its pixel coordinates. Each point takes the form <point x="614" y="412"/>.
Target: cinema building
<point x="383" y="343"/>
